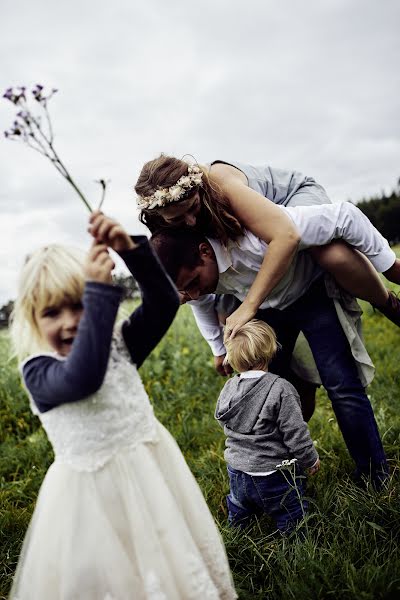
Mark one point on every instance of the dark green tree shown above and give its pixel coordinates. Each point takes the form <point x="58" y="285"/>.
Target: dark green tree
<point x="384" y="214"/>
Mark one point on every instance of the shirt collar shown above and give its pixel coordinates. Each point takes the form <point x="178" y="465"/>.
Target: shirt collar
<point x="222" y="255"/>
<point x="255" y="374"/>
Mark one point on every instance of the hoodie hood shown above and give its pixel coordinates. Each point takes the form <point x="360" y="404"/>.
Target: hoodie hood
<point x="241" y="399"/>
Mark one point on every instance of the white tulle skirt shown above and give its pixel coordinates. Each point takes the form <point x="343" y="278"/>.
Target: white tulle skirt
<point x="138" y="528"/>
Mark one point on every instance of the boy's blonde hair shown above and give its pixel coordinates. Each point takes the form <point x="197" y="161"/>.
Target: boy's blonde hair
<point x="51" y="276"/>
<point x="253" y="346"/>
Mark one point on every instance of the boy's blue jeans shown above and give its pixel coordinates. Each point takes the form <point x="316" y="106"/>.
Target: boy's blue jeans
<point x="278" y="495"/>
<point x="314" y="314"/>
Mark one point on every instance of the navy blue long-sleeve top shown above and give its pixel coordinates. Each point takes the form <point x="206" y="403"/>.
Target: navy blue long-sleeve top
<point x="52" y="381"/>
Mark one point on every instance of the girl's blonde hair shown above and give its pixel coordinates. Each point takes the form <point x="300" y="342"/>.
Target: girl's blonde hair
<point x="163" y="172"/>
<point x="51" y="276"/>
<point x="253" y="346"/>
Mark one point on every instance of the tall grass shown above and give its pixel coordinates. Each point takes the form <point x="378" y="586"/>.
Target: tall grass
<point x="351" y="546"/>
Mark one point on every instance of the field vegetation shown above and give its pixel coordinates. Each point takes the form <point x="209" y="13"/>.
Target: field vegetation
<point x="351" y="548"/>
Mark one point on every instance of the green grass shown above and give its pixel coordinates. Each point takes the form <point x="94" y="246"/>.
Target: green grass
<point x="351" y="548"/>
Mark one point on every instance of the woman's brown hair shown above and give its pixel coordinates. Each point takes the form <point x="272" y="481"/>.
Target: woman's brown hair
<point x="163" y="172"/>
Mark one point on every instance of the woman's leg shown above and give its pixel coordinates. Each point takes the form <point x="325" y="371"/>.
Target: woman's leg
<point x="393" y="274"/>
<point x="352" y="270"/>
<point x="320" y="225"/>
<point x="354" y="273"/>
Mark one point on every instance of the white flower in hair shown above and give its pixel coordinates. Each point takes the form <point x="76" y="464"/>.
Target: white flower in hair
<point x="159" y="194"/>
<point x="164" y="196"/>
<point x="175" y="191"/>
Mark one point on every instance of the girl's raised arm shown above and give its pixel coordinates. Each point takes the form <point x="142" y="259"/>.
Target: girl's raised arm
<point x="150" y="320"/>
<point x="268" y="222"/>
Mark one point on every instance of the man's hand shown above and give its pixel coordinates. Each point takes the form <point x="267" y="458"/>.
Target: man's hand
<point x="109" y="232"/>
<point x="315" y="468"/>
<point x="222" y="369"/>
<point x="99" y="264"/>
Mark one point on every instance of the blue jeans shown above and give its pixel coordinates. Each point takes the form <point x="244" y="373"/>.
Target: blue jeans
<point x="278" y="495"/>
<point x="314" y="314"/>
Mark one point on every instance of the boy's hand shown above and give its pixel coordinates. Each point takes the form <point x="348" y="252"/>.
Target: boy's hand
<point x="99" y="264"/>
<point x="315" y="468"/>
<point x="109" y="232"/>
<point x="222" y="368"/>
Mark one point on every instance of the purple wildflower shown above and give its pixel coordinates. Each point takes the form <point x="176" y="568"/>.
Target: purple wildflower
<point x="8" y="94"/>
<point x="37" y="132"/>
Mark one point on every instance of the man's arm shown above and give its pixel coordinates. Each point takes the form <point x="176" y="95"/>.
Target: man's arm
<point x="207" y="321"/>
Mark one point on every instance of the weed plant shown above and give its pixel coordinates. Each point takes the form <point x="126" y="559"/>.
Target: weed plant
<point x="351" y="546"/>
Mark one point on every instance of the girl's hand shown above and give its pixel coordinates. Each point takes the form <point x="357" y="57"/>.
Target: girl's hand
<point x="99" y="264"/>
<point x="239" y="317"/>
<point x="109" y="232"/>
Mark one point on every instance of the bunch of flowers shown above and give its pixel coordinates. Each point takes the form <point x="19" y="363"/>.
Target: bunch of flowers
<point x="34" y="128"/>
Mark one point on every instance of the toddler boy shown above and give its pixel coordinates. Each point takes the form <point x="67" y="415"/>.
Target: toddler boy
<point x="268" y="443"/>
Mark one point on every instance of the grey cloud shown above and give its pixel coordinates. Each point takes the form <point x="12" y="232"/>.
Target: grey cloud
<point x="312" y="86"/>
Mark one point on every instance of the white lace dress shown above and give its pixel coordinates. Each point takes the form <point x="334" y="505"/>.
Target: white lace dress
<point x="119" y="515"/>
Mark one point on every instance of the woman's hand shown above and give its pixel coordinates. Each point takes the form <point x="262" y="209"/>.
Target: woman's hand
<point x="239" y="317"/>
<point x="99" y="264"/>
<point x="107" y="231"/>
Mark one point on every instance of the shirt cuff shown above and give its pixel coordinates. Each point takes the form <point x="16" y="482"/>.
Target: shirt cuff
<point x="142" y="246"/>
<point x="104" y="290"/>
<point x="217" y="347"/>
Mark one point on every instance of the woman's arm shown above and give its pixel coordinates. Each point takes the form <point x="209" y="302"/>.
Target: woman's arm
<point x="268" y="222"/>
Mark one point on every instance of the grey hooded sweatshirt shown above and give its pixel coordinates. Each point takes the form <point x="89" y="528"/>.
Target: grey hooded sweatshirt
<point x="263" y="424"/>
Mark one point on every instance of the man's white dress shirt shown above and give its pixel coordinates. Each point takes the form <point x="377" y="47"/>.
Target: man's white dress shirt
<point x="240" y="261"/>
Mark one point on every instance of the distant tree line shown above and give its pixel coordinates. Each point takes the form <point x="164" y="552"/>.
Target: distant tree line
<point x="128" y="284"/>
<point x="5" y="312"/>
<point x="384" y="213"/>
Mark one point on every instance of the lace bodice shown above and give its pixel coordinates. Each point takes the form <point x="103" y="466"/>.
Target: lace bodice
<point x="86" y="434"/>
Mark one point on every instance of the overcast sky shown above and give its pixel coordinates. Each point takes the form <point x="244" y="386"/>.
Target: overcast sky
<point x="312" y="86"/>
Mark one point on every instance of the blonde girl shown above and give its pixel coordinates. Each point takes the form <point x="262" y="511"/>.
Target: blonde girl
<point x="119" y="515"/>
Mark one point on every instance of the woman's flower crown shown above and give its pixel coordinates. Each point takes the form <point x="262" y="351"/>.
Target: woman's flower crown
<point x="164" y="196"/>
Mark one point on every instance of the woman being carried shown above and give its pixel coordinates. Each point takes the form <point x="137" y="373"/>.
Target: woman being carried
<point x="119" y="514"/>
<point x="285" y="209"/>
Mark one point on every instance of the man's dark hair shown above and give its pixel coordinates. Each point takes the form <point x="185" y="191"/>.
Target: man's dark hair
<point x="177" y="248"/>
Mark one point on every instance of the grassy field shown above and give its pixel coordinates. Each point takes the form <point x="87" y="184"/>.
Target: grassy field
<point x="351" y="549"/>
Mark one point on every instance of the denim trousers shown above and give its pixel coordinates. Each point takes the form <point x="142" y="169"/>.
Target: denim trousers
<point x="314" y="314"/>
<point x="279" y="495"/>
